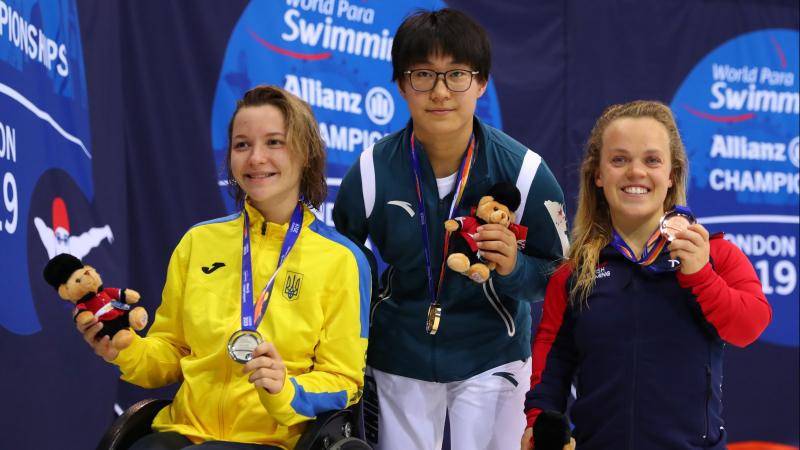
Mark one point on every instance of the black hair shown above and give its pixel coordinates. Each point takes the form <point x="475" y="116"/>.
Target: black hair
<point x="446" y="32"/>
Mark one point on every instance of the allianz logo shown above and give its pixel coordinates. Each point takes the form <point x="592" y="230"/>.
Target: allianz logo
<point x="379" y="103"/>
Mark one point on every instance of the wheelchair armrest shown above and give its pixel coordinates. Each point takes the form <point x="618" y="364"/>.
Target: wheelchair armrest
<point x="132" y="424"/>
<point x="330" y="428"/>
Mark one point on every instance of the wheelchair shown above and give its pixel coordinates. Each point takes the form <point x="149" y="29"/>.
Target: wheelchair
<point x="333" y="430"/>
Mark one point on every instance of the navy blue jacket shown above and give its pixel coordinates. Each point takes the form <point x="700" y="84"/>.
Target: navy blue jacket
<point x="645" y="351"/>
<point x="482" y="326"/>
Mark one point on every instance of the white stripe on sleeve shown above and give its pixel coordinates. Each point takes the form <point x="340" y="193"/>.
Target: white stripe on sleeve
<point x="527" y="172"/>
<point x="367" y="168"/>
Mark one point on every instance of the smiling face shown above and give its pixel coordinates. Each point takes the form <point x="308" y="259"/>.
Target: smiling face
<point x="441" y="112"/>
<point x="261" y="161"/>
<point x="634" y="171"/>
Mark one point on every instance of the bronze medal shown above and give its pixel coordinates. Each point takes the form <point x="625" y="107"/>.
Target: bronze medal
<point x="673" y="222"/>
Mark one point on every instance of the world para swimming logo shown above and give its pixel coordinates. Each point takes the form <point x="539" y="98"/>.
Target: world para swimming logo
<point x="336" y="56"/>
<point x="737" y="111"/>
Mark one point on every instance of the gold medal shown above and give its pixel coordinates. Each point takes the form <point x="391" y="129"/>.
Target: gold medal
<point x="434" y="318"/>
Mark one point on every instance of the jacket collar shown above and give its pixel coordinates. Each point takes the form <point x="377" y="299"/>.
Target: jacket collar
<point x="258" y="223"/>
<point x="478" y="183"/>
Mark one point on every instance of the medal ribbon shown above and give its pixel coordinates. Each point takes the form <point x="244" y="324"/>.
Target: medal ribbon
<point x="685" y="210"/>
<point x="248" y="307"/>
<point x="655" y="243"/>
<point x="461" y="183"/>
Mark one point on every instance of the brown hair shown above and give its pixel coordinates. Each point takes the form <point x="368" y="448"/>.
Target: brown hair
<point x="302" y="138"/>
<point x="592" y="229"/>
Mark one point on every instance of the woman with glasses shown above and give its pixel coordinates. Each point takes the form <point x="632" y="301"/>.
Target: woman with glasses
<point x="441" y="344"/>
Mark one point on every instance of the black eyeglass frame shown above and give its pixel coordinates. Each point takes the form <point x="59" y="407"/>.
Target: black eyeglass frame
<point x="471" y="73"/>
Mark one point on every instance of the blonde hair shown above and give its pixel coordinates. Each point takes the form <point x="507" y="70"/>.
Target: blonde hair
<point x="302" y="138"/>
<point x="592" y="230"/>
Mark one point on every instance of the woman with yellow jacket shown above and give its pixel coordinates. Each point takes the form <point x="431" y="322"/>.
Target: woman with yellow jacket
<point x="264" y="313"/>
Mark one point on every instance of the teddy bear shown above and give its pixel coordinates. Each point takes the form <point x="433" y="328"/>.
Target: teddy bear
<point x="496" y="207"/>
<point x="82" y="286"/>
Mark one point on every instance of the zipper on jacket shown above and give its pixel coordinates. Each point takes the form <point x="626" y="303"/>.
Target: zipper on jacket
<point x="434" y="371"/>
<point x="264" y="227"/>
<point x="221" y="408"/>
<point x="631" y="443"/>
<point x="705" y="406"/>
<point x="442" y="211"/>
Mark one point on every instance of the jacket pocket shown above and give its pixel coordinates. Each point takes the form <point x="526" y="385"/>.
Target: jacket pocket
<point x="384" y="295"/>
<point x="499" y="307"/>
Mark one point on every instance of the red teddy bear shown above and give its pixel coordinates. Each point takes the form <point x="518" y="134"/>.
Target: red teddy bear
<point x="497" y="207"/>
<point x="83" y="286"/>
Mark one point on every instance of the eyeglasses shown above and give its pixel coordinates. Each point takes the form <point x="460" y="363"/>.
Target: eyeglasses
<point x="424" y="80"/>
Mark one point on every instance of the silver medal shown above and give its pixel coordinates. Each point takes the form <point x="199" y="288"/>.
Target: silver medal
<point x="242" y="344"/>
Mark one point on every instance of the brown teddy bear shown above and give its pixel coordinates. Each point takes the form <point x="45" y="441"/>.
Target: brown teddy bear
<point x="83" y="286"/>
<point x="496" y="207"/>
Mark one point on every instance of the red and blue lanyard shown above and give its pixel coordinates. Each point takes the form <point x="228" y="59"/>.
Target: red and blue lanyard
<point x="461" y="183"/>
<point x="652" y="248"/>
<point x="249" y="322"/>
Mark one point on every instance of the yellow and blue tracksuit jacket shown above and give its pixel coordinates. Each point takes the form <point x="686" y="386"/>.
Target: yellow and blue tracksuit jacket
<point x="317" y="318"/>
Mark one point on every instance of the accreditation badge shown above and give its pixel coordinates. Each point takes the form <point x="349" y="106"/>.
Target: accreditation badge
<point x="242" y="344"/>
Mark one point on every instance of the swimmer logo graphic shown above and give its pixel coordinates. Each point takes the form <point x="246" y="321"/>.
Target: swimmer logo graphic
<point x="58" y="239"/>
<point x="738" y="114"/>
<point x="44" y="128"/>
<point x="335" y="55"/>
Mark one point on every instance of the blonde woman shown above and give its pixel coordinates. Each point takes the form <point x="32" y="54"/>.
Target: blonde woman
<point x="638" y="322"/>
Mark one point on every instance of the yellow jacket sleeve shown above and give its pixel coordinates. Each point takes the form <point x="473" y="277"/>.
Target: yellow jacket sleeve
<point x="154" y="361"/>
<point x="337" y="378"/>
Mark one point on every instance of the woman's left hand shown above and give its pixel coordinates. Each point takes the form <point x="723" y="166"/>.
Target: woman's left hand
<point x="692" y="248"/>
<point x="498" y="244"/>
<point x="266" y="369"/>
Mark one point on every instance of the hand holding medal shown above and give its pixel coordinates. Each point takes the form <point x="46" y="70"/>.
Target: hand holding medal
<point x="675" y="221"/>
<point x="266" y="368"/>
<point x="688" y="239"/>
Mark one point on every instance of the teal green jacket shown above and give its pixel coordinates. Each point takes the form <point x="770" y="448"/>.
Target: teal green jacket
<point x="482" y="325"/>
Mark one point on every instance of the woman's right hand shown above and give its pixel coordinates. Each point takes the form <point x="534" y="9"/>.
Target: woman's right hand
<point x="102" y="347"/>
<point x="527" y="439"/>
